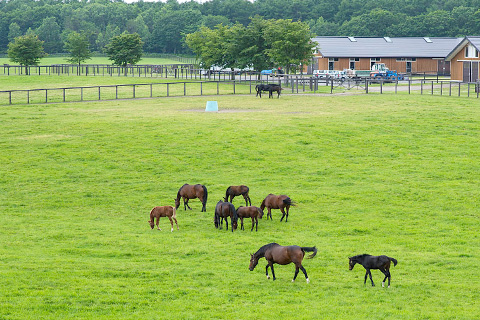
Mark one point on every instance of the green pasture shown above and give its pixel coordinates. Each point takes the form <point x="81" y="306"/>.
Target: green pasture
<point x="380" y="174"/>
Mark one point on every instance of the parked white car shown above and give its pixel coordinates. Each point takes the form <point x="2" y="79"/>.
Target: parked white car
<point x="335" y="74"/>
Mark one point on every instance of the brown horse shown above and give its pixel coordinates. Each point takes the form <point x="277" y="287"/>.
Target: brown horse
<point x="252" y="212"/>
<point x="190" y="191"/>
<point x="164" y="211"/>
<point x="234" y="191"/>
<point x="275" y="253"/>
<point x="277" y="202"/>
<point x="223" y="210"/>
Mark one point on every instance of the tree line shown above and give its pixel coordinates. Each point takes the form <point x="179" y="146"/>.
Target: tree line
<point x="163" y="26"/>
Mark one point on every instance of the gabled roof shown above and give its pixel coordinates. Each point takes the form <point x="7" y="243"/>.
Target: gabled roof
<point x="386" y="47"/>
<point x="475" y="41"/>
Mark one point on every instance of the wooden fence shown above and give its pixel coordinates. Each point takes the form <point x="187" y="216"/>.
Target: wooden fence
<point x="290" y="83"/>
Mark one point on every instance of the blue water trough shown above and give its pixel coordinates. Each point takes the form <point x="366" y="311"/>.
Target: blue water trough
<point x="211" y="106"/>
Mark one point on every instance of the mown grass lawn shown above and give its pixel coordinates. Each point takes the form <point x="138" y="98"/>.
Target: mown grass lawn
<point x="395" y="175"/>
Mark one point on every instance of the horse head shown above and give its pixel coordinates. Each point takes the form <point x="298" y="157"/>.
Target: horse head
<point x="351" y="263"/>
<point x="152" y="225"/>
<point x="260" y="213"/>
<point x="253" y="262"/>
<point x="177" y="203"/>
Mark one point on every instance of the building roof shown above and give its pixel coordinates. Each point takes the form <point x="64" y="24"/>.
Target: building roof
<point x="386" y="47"/>
<point x="475" y="41"/>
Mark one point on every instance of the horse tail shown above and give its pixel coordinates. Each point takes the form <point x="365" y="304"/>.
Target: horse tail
<point x="393" y="260"/>
<point x="310" y="249"/>
<point x="205" y="196"/>
<point x="226" y="194"/>
<point x="289" y="202"/>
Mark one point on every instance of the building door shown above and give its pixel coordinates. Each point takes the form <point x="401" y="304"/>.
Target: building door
<point x="467" y="71"/>
<point x="474" y="77"/>
<point x="408" y="67"/>
<point x="443" y="68"/>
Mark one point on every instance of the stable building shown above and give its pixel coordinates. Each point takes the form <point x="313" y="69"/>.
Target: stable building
<point x="403" y="54"/>
<point x="465" y="59"/>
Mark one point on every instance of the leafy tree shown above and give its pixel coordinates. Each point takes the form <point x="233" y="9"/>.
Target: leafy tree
<point x="78" y="46"/>
<point x="290" y="42"/>
<point x="49" y="33"/>
<point x="26" y="50"/>
<point x="13" y="31"/>
<point x="321" y="27"/>
<point x="125" y="49"/>
<point x="104" y="38"/>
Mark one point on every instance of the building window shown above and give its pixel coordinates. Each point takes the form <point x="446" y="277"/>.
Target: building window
<point x="373" y="61"/>
<point x="331" y="63"/>
<point x="471" y="52"/>
<point x="352" y="63"/>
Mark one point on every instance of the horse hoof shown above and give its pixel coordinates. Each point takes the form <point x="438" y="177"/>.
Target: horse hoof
<point x="293" y="280"/>
<point x="308" y="280"/>
<point x="383" y="284"/>
<point x="268" y="277"/>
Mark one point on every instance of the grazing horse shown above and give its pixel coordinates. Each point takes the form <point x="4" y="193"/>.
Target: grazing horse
<point x="234" y="191"/>
<point x="223" y="210"/>
<point x="373" y="262"/>
<point x="190" y="191"/>
<point x="250" y="212"/>
<point x="164" y="211"/>
<point x="274" y="87"/>
<point x="277" y="202"/>
<point x="275" y="253"/>
<point x="262" y="87"/>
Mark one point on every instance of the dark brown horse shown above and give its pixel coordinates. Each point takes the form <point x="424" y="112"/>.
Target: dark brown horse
<point x="164" y="211"/>
<point x="275" y="253"/>
<point x="190" y="191"/>
<point x="381" y="263"/>
<point x="277" y="202"/>
<point x="223" y="210"/>
<point x="234" y="191"/>
<point x="252" y="212"/>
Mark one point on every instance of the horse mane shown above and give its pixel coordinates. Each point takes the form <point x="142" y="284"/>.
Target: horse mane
<point x="178" y="193"/>
<point x="361" y="256"/>
<point x="261" y="252"/>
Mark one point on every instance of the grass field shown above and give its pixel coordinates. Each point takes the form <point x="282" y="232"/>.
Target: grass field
<point x="379" y="174"/>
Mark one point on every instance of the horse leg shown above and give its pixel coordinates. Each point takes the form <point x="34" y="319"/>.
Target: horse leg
<point x="171" y="223"/>
<point x="266" y="271"/>
<point x="288" y="209"/>
<point x="176" y="223"/>
<point x="253" y="223"/>
<point x="226" y="223"/>
<point x="283" y="216"/>
<point x="305" y="273"/>
<point x="269" y="213"/>
<point x="296" y="273"/>
<point x="158" y="220"/>
<point x="241" y="221"/>
<point x="245" y="198"/>
<point x="273" y="272"/>
<point x="369" y="273"/>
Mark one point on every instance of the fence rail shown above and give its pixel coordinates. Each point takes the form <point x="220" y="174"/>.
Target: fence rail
<point x="215" y="86"/>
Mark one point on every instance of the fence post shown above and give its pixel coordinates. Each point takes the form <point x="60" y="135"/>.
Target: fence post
<point x="459" y="84"/>
<point x="441" y="88"/>
<point x="46" y="95"/>
<point x="134" y="91"/>
<point x="233" y="86"/>
<point x="331" y="85"/>
<point x="10" y="97"/>
<point x="421" y="86"/>
<point x="468" y="90"/>
<point x="168" y="91"/>
<point x="98" y="92"/>
<point x="116" y="92"/>
<point x="184" y="87"/>
<point x="63" y="94"/>
<point x="201" y="88"/>
<point x="81" y="94"/>
<point x="28" y="96"/>
<point x="151" y="90"/>
<point x="450" y="90"/>
<point x="218" y="82"/>
<point x="432" y="87"/>
<point x="366" y="85"/>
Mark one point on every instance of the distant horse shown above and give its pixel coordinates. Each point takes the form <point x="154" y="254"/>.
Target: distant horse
<point x="252" y="212"/>
<point x="274" y="88"/>
<point x="234" y="191"/>
<point x="275" y="253"/>
<point x="190" y="191"/>
<point x="164" y="211"/>
<point x="223" y="210"/>
<point x="373" y="262"/>
<point x="262" y="87"/>
<point x="277" y="202"/>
